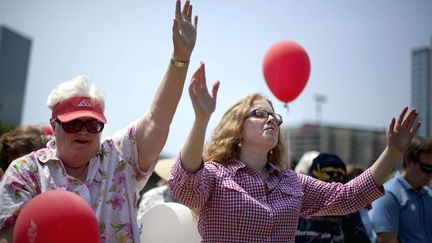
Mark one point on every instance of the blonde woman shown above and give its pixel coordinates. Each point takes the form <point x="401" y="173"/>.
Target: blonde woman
<point x="243" y="192"/>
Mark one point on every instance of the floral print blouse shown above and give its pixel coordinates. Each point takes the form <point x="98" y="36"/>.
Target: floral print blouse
<point x="112" y="187"/>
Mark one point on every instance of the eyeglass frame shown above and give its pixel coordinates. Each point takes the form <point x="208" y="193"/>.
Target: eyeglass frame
<point x="82" y="124"/>
<point x="276" y="116"/>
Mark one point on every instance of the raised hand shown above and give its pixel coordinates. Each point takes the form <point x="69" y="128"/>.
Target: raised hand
<point x="401" y="132"/>
<point x="184" y="32"/>
<point x="203" y="102"/>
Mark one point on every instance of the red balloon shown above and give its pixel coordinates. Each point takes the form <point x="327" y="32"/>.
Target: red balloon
<point x="56" y="216"/>
<point x="48" y="130"/>
<point x="286" y="70"/>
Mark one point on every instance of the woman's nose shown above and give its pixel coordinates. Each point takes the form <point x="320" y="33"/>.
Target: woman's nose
<point x="271" y="118"/>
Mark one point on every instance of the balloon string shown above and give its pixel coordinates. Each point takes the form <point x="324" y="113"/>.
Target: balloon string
<point x="286" y="107"/>
<point x="287" y="136"/>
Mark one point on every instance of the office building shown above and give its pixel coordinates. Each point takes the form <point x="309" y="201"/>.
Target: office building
<point x="14" y="61"/>
<point x="352" y="145"/>
<point x="421" y="87"/>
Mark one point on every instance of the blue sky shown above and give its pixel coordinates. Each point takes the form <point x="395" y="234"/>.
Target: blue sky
<point x="360" y="53"/>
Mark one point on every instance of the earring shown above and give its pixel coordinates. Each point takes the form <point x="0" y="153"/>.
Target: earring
<point x="239" y="145"/>
<point x="271" y="151"/>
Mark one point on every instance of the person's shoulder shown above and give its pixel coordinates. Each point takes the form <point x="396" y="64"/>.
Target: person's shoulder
<point x="395" y="191"/>
<point x="394" y="184"/>
<point x="128" y="132"/>
<point x="30" y="160"/>
<point x="47" y="152"/>
<point x="428" y="191"/>
<point x="23" y="170"/>
<point x="218" y="168"/>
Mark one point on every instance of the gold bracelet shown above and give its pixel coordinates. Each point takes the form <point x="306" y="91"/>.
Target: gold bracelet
<point x="179" y="64"/>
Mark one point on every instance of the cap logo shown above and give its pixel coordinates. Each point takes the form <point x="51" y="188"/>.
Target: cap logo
<point x="77" y="107"/>
<point x="84" y="103"/>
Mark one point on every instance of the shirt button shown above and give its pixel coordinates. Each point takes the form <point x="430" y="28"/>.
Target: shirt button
<point x="268" y="238"/>
<point x="271" y="214"/>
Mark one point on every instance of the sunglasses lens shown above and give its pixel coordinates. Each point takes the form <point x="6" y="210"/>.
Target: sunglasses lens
<point x="426" y="168"/>
<point x="94" y="126"/>
<point x="72" y="126"/>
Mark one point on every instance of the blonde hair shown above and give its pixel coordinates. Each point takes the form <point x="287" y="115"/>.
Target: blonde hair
<point x="223" y="145"/>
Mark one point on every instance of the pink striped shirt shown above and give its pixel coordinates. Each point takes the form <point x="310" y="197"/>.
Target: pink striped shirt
<point x="236" y="204"/>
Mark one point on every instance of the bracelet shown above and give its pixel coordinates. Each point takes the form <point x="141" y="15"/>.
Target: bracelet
<point x="179" y="64"/>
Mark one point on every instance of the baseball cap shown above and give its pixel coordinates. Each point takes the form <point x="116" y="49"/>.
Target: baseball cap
<point x="77" y="107"/>
<point x="328" y="167"/>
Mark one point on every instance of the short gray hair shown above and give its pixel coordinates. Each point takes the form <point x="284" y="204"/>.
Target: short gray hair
<point x="79" y="86"/>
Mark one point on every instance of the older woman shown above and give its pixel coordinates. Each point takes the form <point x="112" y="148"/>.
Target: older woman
<point x="243" y="192"/>
<point x="108" y="174"/>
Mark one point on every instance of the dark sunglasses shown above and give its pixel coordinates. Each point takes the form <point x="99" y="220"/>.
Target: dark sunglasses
<point x="426" y="168"/>
<point x="74" y="126"/>
<point x="265" y="114"/>
<point x="333" y="174"/>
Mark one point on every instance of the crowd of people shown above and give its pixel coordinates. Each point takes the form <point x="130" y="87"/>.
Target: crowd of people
<point x="239" y="184"/>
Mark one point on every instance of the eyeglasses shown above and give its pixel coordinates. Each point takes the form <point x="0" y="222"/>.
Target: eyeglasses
<point x="426" y="168"/>
<point x="265" y="114"/>
<point x="74" y="126"/>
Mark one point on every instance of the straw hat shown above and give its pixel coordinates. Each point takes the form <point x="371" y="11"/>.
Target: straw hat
<point x="163" y="167"/>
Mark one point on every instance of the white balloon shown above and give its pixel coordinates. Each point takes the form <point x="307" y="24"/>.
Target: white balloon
<point x="169" y="223"/>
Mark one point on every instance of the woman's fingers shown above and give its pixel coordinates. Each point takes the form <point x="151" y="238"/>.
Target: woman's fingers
<point x="401" y="117"/>
<point x="186" y="9"/>
<point x="178" y="15"/>
<point x="215" y="89"/>
<point x="391" y="127"/>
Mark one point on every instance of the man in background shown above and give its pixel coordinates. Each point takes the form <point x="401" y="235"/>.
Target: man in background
<point x="404" y="213"/>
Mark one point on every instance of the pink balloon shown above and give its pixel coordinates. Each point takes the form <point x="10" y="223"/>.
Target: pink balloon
<point x="56" y="216"/>
<point x="286" y="70"/>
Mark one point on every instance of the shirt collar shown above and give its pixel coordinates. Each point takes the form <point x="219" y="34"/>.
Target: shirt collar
<point x="48" y="154"/>
<point x="407" y="186"/>
<point x="272" y="168"/>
